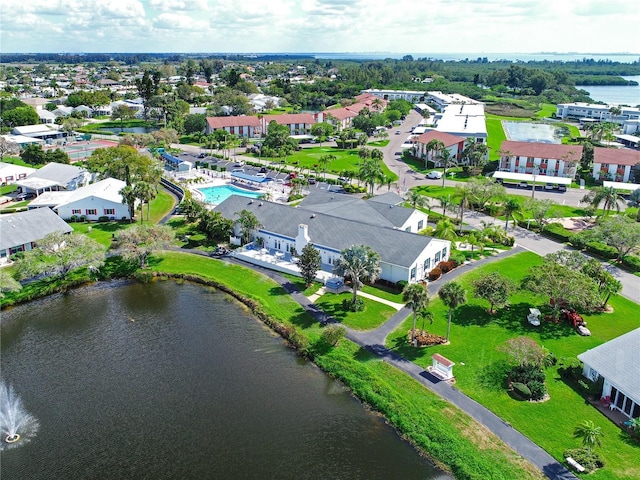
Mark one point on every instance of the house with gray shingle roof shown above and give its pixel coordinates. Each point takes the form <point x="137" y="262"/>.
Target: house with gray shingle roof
<point x="618" y="363"/>
<point x="19" y="232"/>
<point x="403" y="255"/>
<point x="54" y="177"/>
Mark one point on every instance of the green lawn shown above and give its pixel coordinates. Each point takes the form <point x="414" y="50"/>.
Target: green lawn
<point x="547" y="110"/>
<point x="386" y="293"/>
<point x="373" y="315"/>
<point x="6" y="189"/>
<point x="160" y="206"/>
<point x="346" y="159"/>
<point x="495" y="134"/>
<point x="475" y="336"/>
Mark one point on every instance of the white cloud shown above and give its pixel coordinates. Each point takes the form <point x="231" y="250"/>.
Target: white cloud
<point x="178" y="21"/>
<point x="173" y="5"/>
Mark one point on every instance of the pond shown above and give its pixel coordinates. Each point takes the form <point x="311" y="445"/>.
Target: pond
<point x="167" y="380"/>
<point x="533" y="132"/>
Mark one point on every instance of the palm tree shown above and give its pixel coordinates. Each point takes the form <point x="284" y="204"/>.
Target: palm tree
<point x="445" y="202"/>
<point x="371" y="173"/>
<point x="416" y="297"/>
<point x="605" y="195"/>
<point x="326" y="160"/>
<point x="377" y="154"/>
<point x="129" y="198"/>
<point x="434" y="146"/>
<point x="452" y="295"/>
<point x="589" y="433"/>
<point x="464" y="193"/>
<point x="445" y="157"/>
<point x="145" y="192"/>
<point x="248" y="223"/>
<point x="360" y="263"/>
<point x="511" y="207"/>
<point x="474" y="241"/>
<point x="446" y="230"/>
<point x="416" y="199"/>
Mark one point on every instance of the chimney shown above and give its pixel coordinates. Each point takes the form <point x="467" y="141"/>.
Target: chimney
<point x="302" y="238"/>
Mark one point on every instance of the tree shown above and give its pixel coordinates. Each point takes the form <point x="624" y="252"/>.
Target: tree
<point x="129" y="198"/>
<point x="619" y="232"/>
<point x="483" y="190"/>
<point x="541" y="211"/>
<point x="212" y="223"/>
<point x="494" y="288"/>
<point x="325" y="160"/>
<point x="20" y="116"/>
<point x="524" y="351"/>
<point x="433" y="147"/>
<point x="8" y="148"/>
<point x="511" y="207"/>
<point x="474" y="156"/>
<point x="321" y="130"/>
<point x="608" y="196"/>
<point x="58" y="253"/>
<point x="140" y="241"/>
<point x="33" y="154"/>
<point x="122" y="113"/>
<point x="445" y="158"/>
<point x="445" y="202"/>
<point x="564" y="287"/>
<point x="122" y="162"/>
<point x="371" y="173"/>
<point x="416" y="297"/>
<point x="145" y="192"/>
<point x="446" y="230"/>
<point x="416" y="199"/>
<point x="464" y="194"/>
<point x="248" y="222"/>
<point x="360" y="263"/>
<point x="589" y="433"/>
<point x="607" y="283"/>
<point x="195" y="123"/>
<point x="309" y="262"/>
<point x="452" y="295"/>
<point x="8" y="283"/>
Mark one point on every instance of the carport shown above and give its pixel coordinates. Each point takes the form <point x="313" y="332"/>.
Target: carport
<point x="528" y="177"/>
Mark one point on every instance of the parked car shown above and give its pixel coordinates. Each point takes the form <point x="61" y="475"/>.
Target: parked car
<point x="263" y="170"/>
<point x="523" y="185"/>
<point x="549" y="186"/>
<point x="397" y="132"/>
<point x="25" y="196"/>
<point x="237" y="170"/>
<point x="434" y="174"/>
<point x="261" y="175"/>
<point x="562" y="188"/>
<point x="312" y="180"/>
<point x="202" y="155"/>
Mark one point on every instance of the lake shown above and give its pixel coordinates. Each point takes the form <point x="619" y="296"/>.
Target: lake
<point x="619" y="95"/>
<point x="166" y="381"/>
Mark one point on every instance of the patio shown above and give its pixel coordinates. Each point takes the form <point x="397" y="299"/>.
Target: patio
<point x="610" y="411"/>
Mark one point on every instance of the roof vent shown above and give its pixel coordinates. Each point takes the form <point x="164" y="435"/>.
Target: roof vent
<point x="313" y="215"/>
<point x="260" y="204"/>
<point x="250" y="202"/>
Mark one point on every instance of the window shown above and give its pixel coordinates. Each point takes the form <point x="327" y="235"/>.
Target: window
<point x="76" y="211"/>
<point x="420" y="225"/>
<point x="444" y="252"/>
<point x="413" y="273"/>
<point x="91" y="211"/>
<point x="427" y="265"/>
<point x="109" y="211"/>
<point x="408" y="229"/>
<point x="437" y="257"/>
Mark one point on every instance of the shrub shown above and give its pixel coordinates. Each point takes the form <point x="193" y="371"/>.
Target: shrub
<point x="74" y="218"/>
<point x="401" y="284"/>
<point x="435" y="274"/>
<point x="632" y="262"/>
<point x="457" y="258"/>
<point x="103" y="218"/>
<point x="526" y="374"/>
<point x="522" y="390"/>
<point x="446" y="266"/>
<point x="213" y="166"/>
<point x="332" y="334"/>
<point x="348" y="305"/>
<point x="538" y="390"/>
<point x="83" y="218"/>
<point x="550" y="360"/>
<point x="589" y="460"/>
<point x="557" y="231"/>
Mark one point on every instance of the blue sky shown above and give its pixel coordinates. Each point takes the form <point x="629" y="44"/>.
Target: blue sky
<point x="254" y="26"/>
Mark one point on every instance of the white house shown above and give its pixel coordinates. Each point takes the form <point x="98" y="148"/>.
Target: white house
<point x="19" y="232"/>
<point x="100" y="199"/>
<point x="614" y="163"/>
<point x="403" y="255"/>
<point x="617" y="362"/>
<point x="602" y="113"/>
<point x="10" y="173"/>
<point x="53" y="177"/>
<point x="465" y="120"/>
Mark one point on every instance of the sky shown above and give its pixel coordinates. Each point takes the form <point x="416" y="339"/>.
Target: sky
<point x="314" y="26"/>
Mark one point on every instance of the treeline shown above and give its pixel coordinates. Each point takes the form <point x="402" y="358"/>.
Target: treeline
<point x="602" y="80"/>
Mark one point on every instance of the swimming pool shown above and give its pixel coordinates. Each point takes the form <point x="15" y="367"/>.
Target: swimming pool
<point x="533" y="132"/>
<point x="220" y="193"/>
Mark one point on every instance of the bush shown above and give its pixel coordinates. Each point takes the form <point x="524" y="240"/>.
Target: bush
<point x="435" y="274"/>
<point x="522" y="390"/>
<point x="332" y="334"/>
<point x="103" y="218"/>
<point x="538" y="390"/>
<point x="446" y="267"/>
<point x="526" y="374"/>
<point x="558" y="232"/>
<point x="631" y="262"/>
<point x="457" y="258"/>
<point x="401" y="284"/>
<point x="349" y="305"/>
<point x="589" y="460"/>
<point x="550" y="360"/>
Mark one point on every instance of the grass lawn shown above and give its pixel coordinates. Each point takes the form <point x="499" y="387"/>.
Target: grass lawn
<point x="378" y="143"/>
<point x="18" y="161"/>
<point x="495" y="135"/>
<point x="6" y="189"/>
<point x="546" y="110"/>
<point x="160" y="206"/>
<point x="480" y="367"/>
<point x="373" y="315"/>
<point x="387" y="293"/>
<point x="100" y="231"/>
<point x="300" y="285"/>
<point x="346" y="159"/>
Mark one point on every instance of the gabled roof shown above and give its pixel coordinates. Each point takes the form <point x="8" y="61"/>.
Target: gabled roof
<point x="446" y="138"/>
<point x="233" y="121"/>
<point x="616" y="361"/>
<point x="389" y="198"/>
<point x="395" y="247"/>
<point x="32" y="129"/>
<point x="541" y="150"/>
<point x="30" y="226"/>
<point x="107" y="189"/>
<point x="341" y="113"/>
<point x="58" y="173"/>
<point x="616" y="156"/>
<point x="290" y="118"/>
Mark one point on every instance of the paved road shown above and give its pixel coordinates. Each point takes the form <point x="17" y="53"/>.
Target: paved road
<point x="374" y="342"/>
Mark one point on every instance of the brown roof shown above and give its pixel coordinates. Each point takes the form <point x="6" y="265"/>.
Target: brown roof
<point x="443" y="360"/>
<point x="235" y="121"/>
<point x="542" y="150"/>
<point x="446" y="138"/>
<point x="616" y="156"/>
<point x="340" y="113"/>
<point x="290" y="118"/>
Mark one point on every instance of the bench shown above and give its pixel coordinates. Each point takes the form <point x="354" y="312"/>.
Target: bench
<point x="575" y="464"/>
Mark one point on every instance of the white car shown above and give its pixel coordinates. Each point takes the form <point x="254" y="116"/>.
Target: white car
<point x="434" y="174"/>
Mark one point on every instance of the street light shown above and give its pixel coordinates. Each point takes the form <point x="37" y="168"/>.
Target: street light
<point x="535" y="172"/>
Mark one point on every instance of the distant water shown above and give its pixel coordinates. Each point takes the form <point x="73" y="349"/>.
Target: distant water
<point x="625" y="95"/>
<point x="524" y="57"/>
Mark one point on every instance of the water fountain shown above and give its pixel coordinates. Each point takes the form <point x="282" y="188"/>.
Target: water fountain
<point x="15" y="423"/>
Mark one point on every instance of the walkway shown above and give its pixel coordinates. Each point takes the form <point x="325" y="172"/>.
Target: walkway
<point x="373" y="341"/>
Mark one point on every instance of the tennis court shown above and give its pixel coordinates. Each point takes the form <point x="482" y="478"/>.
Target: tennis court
<point x="83" y="149"/>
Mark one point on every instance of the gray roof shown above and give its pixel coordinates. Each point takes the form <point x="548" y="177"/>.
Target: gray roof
<point x="354" y="208"/>
<point x="389" y="198"/>
<point x="29" y="226"/>
<point x="58" y="172"/>
<point x="394" y="246"/>
<point x="618" y="361"/>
